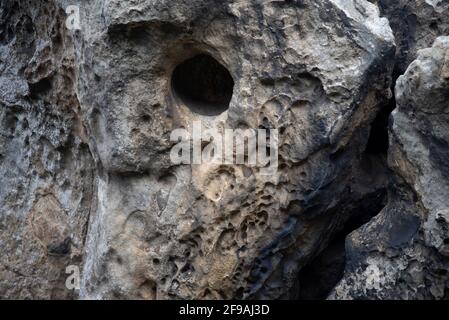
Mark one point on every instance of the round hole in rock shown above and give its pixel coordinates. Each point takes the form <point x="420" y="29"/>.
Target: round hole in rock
<point x="203" y="85"/>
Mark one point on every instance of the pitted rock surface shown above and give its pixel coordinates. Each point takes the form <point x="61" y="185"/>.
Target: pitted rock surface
<point x="86" y="118"/>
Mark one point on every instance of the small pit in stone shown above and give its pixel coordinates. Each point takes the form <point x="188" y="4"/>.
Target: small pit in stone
<point x="203" y="85"/>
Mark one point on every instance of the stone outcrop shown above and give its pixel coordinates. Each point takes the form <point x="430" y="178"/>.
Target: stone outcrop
<point x="46" y="169"/>
<point x="86" y="119"/>
<point x="403" y="252"/>
<point x="416" y="24"/>
<point x="316" y="71"/>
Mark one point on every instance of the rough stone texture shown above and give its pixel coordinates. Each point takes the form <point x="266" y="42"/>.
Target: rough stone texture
<point x="416" y="24"/>
<point x="46" y="170"/>
<point x="404" y="252"/>
<point x="317" y="71"/>
<point x="86" y="177"/>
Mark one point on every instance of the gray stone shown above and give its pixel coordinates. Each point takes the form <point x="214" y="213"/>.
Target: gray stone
<point x="403" y="252"/>
<point x="46" y="169"/>
<point x="317" y="71"/>
<point x="86" y="175"/>
<point x="416" y="24"/>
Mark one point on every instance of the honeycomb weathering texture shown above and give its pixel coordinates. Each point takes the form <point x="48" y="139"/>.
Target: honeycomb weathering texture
<point x="86" y="118"/>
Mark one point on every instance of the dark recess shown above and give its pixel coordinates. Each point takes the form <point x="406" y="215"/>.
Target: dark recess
<point x="203" y="85"/>
<point x="39" y="88"/>
<point x="378" y="139"/>
<point x="322" y="274"/>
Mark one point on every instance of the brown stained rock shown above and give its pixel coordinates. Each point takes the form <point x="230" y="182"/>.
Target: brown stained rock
<point x="86" y="177"/>
<point x="316" y="71"/>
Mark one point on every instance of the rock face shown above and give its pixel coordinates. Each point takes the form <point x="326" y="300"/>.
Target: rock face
<point x="416" y="24"/>
<point x="317" y="72"/>
<point x="87" y="119"/>
<point x="46" y="170"/>
<point x="404" y="252"/>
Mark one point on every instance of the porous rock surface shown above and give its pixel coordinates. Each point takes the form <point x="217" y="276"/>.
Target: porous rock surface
<point x="316" y="71"/>
<point x="86" y="176"/>
<point x="46" y="168"/>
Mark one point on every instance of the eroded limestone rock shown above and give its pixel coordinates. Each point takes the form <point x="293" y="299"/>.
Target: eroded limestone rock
<point x="46" y="170"/>
<point x="316" y="71"/>
<point x="86" y="175"/>
<point x="403" y="252"/>
<point x="416" y="24"/>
